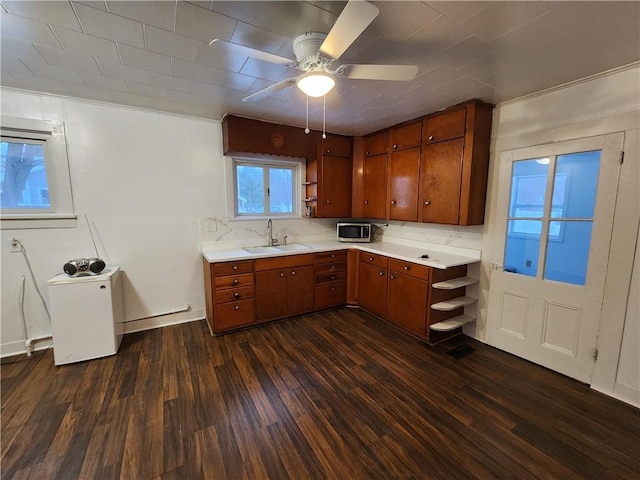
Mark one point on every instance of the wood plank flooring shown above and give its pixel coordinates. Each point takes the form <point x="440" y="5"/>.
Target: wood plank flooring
<point x="337" y="394"/>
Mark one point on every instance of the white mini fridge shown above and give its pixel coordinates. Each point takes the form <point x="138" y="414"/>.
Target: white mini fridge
<point x="86" y="315"/>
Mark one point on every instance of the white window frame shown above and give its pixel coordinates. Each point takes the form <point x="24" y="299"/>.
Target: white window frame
<point x="61" y="214"/>
<point x="298" y="166"/>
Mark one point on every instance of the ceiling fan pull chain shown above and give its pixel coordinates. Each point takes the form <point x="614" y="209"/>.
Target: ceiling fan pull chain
<point x="306" y="130"/>
<point x="324" y="114"/>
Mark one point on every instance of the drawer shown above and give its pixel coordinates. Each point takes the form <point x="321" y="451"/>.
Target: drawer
<point x="373" y="259"/>
<point x="234" y="315"/>
<point x="331" y="295"/>
<point x="331" y="277"/>
<point x="409" y="268"/>
<point x="240" y="280"/>
<point x="234" y="294"/>
<point x="330" y="257"/>
<point x="444" y="126"/>
<point x="231" y="268"/>
<point x="330" y="267"/>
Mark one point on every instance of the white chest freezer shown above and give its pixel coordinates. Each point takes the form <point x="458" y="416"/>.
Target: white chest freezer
<point x="86" y="315"/>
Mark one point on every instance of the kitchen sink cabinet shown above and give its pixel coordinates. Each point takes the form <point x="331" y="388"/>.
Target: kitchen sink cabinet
<point x="284" y="286"/>
<point x="229" y="292"/>
<point x="455" y="164"/>
<point x="331" y="279"/>
<point x="372" y="283"/>
<point x="408" y="281"/>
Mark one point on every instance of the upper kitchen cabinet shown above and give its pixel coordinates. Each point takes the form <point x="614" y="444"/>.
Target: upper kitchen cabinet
<point x="374" y="175"/>
<point x="403" y="170"/>
<point x="329" y="177"/>
<point x="454" y="164"/>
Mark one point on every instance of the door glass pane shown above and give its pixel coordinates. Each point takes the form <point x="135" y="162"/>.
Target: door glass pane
<point x="23" y="176"/>
<point x="575" y="184"/>
<point x="521" y="251"/>
<point x="250" y="189"/>
<point x="528" y="188"/>
<point x="568" y="255"/>
<point x="281" y="190"/>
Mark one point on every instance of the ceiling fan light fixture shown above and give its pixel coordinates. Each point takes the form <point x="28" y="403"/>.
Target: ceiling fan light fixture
<point x="315" y="83"/>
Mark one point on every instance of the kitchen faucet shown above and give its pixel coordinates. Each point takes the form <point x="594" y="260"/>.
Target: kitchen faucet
<point x="272" y="241"/>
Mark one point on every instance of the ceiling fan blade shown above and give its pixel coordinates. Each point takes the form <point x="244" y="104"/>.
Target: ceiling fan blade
<point x="402" y="73"/>
<point x="265" y="92"/>
<point x="354" y="19"/>
<point x="234" y="48"/>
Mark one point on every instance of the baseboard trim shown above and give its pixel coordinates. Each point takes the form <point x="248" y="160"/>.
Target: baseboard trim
<point x="19" y="348"/>
<point x="163" y="321"/>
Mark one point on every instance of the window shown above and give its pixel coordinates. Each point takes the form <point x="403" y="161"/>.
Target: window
<point x="35" y="187"/>
<point x="266" y="188"/>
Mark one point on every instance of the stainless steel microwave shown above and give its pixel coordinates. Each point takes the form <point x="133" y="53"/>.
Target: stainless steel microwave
<point x="354" y="232"/>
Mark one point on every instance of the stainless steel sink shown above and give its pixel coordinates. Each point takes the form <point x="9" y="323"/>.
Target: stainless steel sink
<point x="292" y="247"/>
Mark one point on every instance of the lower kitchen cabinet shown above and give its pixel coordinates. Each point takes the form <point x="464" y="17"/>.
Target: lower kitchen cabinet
<point x="372" y="283"/>
<point x="408" y="281"/>
<point x="331" y="279"/>
<point x="230" y="301"/>
<point x="284" y="286"/>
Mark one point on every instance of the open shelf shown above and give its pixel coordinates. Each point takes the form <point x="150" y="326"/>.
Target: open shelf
<point x="454" y="303"/>
<point x="452" y="323"/>
<point x="455" y="283"/>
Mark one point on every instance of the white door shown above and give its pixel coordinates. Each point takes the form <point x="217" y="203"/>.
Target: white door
<point x="554" y="217"/>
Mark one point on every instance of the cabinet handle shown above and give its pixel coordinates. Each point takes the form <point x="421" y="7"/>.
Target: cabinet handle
<point x="235" y="267"/>
<point x="282" y="274"/>
<point x="392" y="276"/>
<point x="427" y="202"/>
<point x="430" y="137"/>
<point x="366" y="153"/>
<point x="236" y="295"/>
<point x="393" y="202"/>
<point x="327" y="201"/>
<point x="333" y="289"/>
<point x="406" y="267"/>
<point x="235" y="281"/>
<point x="333" y="255"/>
<point x="332" y="277"/>
<point x="395" y="145"/>
<point x="371" y="259"/>
<point x="366" y="202"/>
<point x="293" y="273"/>
<point x="332" y="267"/>
<point x="381" y="274"/>
<point x="328" y="150"/>
<point x="237" y="307"/>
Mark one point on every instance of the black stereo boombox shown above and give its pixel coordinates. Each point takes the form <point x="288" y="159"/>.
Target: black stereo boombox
<point x="83" y="266"/>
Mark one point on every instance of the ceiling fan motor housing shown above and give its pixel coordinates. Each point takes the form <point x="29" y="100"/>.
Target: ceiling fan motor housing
<point x="306" y="48"/>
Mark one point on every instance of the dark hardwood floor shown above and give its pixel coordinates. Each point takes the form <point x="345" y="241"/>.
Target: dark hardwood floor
<point x="337" y="394"/>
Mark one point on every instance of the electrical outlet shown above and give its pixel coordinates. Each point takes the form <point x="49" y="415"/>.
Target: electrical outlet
<point x="210" y="226"/>
<point x="15" y="245"/>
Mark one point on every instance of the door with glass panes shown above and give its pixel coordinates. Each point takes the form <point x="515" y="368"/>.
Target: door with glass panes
<point x="554" y="218"/>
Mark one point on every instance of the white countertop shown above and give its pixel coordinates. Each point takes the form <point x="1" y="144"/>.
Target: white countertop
<point x="440" y="256"/>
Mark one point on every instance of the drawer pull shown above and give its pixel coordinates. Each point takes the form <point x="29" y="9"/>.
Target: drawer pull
<point x="333" y="289"/>
<point x="237" y="307"/>
<point x="332" y="267"/>
<point x="235" y="281"/>
<point x="235" y="267"/>
<point x="282" y="274"/>
<point x="395" y="145"/>
<point x="407" y="267"/>
<point x="371" y="259"/>
<point x="430" y="137"/>
<point x="236" y="295"/>
<point x="293" y="272"/>
<point x="427" y="202"/>
<point x="333" y="255"/>
<point x="333" y="277"/>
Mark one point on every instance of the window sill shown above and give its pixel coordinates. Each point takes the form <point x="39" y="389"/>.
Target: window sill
<point x="35" y="220"/>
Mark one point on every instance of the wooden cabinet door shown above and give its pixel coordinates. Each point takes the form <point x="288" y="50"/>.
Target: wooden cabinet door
<point x="405" y="136"/>
<point x="403" y="174"/>
<point x="407" y="302"/>
<point x="334" y="182"/>
<point x="440" y="181"/>
<point x="375" y="183"/>
<point x="372" y="288"/>
<point x="336" y="146"/>
<point x="376" y="144"/>
<point x="300" y="289"/>
<point x="445" y="126"/>
<point x="271" y="294"/>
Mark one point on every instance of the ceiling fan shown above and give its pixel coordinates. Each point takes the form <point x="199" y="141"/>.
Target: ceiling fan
<point x="316" y="52"/>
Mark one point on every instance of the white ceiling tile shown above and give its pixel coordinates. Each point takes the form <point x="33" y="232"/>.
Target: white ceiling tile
<point x="258" y="38"/>
<point x="87" y="91"/>
<point x="215" y="56"/>
<point x="461" y="86"/>
<point x="205" y="25"/>
<point x="464" y="52"/>
<point x="54" y="13"/>
<point x="26" y="30"/>
<point x="130" y="99"/>
<point x="64" y="58"/>
<point x="107" y="25"/>
<point x="295" y="18"/>
<point x="207" y="89"/>
<point x="86" y="45"/>
<point x="13" y="65"/>
<point x="124" y="72"/>
<point x="187" y="98"/>
<point x="233" y="80"/>
<point x="146" y="90"/>
<point x="460" y="11"/>
<point x="192" y="71"/>
<point x="137" y="57"/>
<point x="167" y="43"/>
<point x="255" y="13"/>
<point x="42" y="69"/>
<point x="437" y="36"/>
<point x="101" y="81"/>
<point x="167" y="81"/>
<point x="165" y="105"/>
<point x="415" y="15"/>
<point x="15" y="48"/>
<point x="160" y="14"/>
<point x="93" y="4"/>
<point x="42" y="84"/>
<point x="503" y="17"/>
